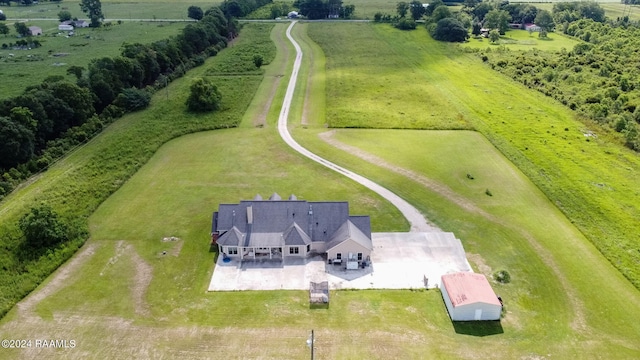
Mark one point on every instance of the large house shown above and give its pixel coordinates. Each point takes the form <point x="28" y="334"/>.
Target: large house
<point x="275" y="228"/>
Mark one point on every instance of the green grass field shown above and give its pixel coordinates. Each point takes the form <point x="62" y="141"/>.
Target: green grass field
<point x="123" y="296"/>
<point x="366" y="69"/>
<point x="522" y="40"/>
<point x="58" y="52"/>
<point x="125" y="10"/>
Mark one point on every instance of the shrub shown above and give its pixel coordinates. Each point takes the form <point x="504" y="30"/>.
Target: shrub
<point x="502" y="276"/>
<point x="405" y="24"/>
<point x="42" y="228"/>
<point x="133" y="99"/>
<point x="204" y="96"/>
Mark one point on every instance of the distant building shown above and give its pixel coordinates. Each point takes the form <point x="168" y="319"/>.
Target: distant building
<point x="532" y="27"/>
<point x="35" y="30"/>
<point x="80" y="24"/>
<point x="469" y="296"/>
<point x="292" y="15"/>
<point x="65" y="27"/>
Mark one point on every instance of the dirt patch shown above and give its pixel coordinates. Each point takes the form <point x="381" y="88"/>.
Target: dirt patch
<point x="58" y="281"/>
<point x="177" y="248"/>
<point x="480" y="264"/>
<point x="142" y="279"/>
<point x="121" y="247"/>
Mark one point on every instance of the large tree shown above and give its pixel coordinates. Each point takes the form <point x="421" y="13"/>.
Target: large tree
<point x="22" y="29"/>
<point x="497" y="19"/>
<point x="449" y="29"/>
<point x="402" y="8"/>
<point x="93" y="9"/>
<point x="64" y="15"/>
<point x="204" y="96"/>
<point x="17" y="142"/>
<point x="417" y="10"/>
<point x="195" y="13"/>
<point x="545" y="20"/>
<point x="4" y="29"/>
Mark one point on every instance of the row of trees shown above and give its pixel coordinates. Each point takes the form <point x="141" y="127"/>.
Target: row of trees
<point x="44" y="121"/>
<point x="322" y="9"/>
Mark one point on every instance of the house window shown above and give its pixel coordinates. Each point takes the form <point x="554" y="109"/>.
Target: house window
<point x="339" y="256"/>
<point x="308" y="247"/>
<point x="359" y="256"/>
<point x="232" y="250"/>
<point x="294" y="250"/>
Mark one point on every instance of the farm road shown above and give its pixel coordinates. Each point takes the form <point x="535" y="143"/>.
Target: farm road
<point x="415" y="218"/>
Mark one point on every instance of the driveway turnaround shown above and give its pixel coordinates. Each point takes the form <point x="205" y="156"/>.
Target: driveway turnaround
<point x="399" y="261"/>
<point x="415" y="218"/>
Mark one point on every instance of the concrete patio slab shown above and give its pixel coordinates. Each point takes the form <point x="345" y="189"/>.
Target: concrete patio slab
<point x="399" y="261"/>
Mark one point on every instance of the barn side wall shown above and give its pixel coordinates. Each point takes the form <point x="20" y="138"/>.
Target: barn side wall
<point x="447" y="302"/>
<point x="468" y="312"/>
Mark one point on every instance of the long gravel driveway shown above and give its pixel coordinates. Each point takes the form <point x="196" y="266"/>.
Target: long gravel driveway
<point x="418" y="222"/>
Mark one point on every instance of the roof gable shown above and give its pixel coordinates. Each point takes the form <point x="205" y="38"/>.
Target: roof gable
<point x="348" y="231"/>
<point x="232" y="237"/>
<point x="466" y="288"/>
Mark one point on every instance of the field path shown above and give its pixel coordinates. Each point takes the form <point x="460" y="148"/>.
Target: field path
<point x="415" y="218"/>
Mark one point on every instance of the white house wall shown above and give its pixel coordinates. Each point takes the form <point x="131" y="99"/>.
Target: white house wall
<point x="346" y="247"/>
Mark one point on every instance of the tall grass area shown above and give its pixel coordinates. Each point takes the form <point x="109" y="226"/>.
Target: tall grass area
<point x="380" y="77"/>
<point x="59" y="52"/>
<point x="77" y="185"/>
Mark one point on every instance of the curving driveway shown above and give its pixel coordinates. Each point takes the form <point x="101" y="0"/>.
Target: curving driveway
<point x="418" y="222"/>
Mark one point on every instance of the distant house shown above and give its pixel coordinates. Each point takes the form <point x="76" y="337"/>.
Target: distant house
<point x="273" y="229"/>
<point x="35" y="30"/>
<point x="532" y="27"/>
<point x="292" y="14"/>
<point x="469" y="296"/>
<point x="80" y="24"/>
<point x="65" y="27"/>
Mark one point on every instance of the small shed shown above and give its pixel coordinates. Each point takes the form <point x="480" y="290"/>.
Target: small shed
<point x="469" y="296"/>
<point x="35" y="30"/>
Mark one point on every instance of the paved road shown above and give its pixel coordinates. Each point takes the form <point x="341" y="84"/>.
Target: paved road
<point x="418" y="222"/>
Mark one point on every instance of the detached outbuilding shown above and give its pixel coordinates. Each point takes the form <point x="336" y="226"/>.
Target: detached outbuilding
<point x="469" y="296"/>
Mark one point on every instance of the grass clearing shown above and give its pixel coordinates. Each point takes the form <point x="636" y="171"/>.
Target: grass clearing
<point x="590" y="179"/>
<point x="522" y="40"/>
<point x="58" y="52"/>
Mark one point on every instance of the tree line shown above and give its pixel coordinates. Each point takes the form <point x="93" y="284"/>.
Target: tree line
<point x="47" y="120"/>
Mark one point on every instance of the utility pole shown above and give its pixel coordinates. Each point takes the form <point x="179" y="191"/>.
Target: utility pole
<point x="310" y="343"/>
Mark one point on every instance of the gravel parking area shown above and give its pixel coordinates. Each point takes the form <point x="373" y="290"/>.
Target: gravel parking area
<point x="399" y="261"/>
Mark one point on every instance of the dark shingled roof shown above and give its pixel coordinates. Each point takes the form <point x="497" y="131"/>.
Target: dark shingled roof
<point x="300" y="222"/>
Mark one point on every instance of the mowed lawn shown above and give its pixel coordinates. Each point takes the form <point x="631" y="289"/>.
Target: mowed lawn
<point x="378" y="77"/>
<point x="174" y="194"/>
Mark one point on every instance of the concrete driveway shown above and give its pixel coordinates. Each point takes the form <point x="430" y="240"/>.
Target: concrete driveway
<point x="399" y="261"/>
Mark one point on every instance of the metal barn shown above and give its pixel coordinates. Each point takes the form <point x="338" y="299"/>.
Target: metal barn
<point x="469" y="296"/>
